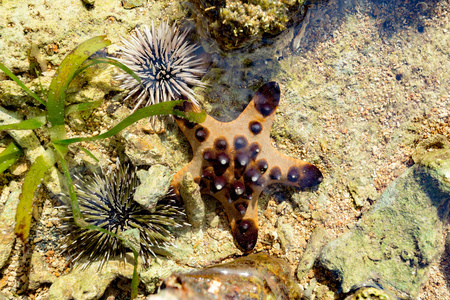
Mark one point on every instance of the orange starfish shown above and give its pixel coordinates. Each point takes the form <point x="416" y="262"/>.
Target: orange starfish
<point x="234" y="161"/>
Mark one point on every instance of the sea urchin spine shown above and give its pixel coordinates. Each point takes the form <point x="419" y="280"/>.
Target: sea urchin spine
<point x="106" y="200"/>
<point x="164" y="61"/>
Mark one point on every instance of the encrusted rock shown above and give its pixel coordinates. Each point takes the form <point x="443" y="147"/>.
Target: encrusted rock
<point x="7" y="223"/>
<point x="194" y="205"/>
<point x="131" y="3"/>
<point x="235" y="24"/>
<point x="89" y="283"/>
<point x="396" y="242"/>
<point x="143" y="149"/>
<point x="154" y="186"/>
<point x="437" y="141"/>
<point x="316" y="242"/>
<point x="370" y="293"/>
<point x="361" y="190"/>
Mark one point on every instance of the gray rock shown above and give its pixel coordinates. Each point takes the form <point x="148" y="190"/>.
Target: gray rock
<point x="154" y="186"/>
<point x="319" y="238"/>
<point x="7" y="223"/>
<point x="143" y="149"/>
<point x="132" y="237"/>
<point x="160" y="268"/>
<point x="285" y="236"/>
<point x="437" y="141"/>
<point x="194" y="205"/>
<point x="361" y="190"/>
<point x="396" y="242"/>
<point x="89" y="283"/>
<point x="128" y="4"/>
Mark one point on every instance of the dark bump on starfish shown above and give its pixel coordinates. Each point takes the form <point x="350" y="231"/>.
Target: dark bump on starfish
<point x="275" y="173"/>
<point x="201" y="134"/>
<point x="252" y="174"/>
<point x="262" y="165"/>
<point x="246" y="234"/>
<point x="226" y="194"/>
<point x="311" y="176"/>
<point x="187" y="106"/>
<point x="241" y="207"/>
<point x="248" y="192"/>
<point x="220" y="144"/>
<point x="221" y="163"/>
<point x="254" y="150"/>
<point x="223" y="159"/>
<point x="255" y="127"/>
<point x="238" y="189"/>
<point x="208" y="155"/>
<point x="267" y="98"/>
<point x="241" y="159"/>
<point x="219" y="184"/>
<point x="203" y="183"/>
<point x="189" y="124"/>
<point x="208" y="173"/>
<point x="261" y="181"/>
<point x="293" y="174"/>
<point x="240" y="142"/>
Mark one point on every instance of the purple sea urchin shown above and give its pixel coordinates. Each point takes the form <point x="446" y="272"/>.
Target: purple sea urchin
<point x="164" y="61"/>
<point x="106" y="200"/>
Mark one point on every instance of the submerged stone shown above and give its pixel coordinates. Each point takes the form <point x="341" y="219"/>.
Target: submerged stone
<point x="154" y="186"/>
<point x="194" y="205"/>
<point x="7" y="223"/>
<point x="398" y="240"/>
<point x="235" y="24"/>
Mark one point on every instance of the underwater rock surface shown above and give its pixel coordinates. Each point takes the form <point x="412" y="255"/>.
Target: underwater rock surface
<point x="7" y="223"/>
<point x="236" y="24"/>
<point x="396" y="242"/>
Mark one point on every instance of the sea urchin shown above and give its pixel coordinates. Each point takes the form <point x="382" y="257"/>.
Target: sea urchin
<point x="164" y="61"/>
<point x="106" y="200"/>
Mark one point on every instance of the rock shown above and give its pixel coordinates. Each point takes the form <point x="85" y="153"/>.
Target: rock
<point x="194" y="205"/>
<point x="154" y="186"/>
<point x="132" y="237"/>
<point x="285" y="234"/>
<point x="237" y="24"/>
<point x="396" y="242"/>
<point x="39" y="273"/>
<point x="361" y="190"/>
<point x="7" y="223"/>
<point x="370" y="293"/>
<point x="437" y="141"/>
<point x="319" y="238"/>
<point x="89" y="283"/>
<point x="143" y="149"/>
<point x="160" y="269"/>
<point x="89" y="2"/>
<point x="437" y="165"/>
<point x="128" y="4"/>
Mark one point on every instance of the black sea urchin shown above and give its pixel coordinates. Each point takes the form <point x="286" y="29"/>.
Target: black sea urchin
<point x="106" y="200"/>
<point x="164" y="61"/>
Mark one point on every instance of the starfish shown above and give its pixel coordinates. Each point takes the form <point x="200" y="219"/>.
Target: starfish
<point x="234" y="161"/>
